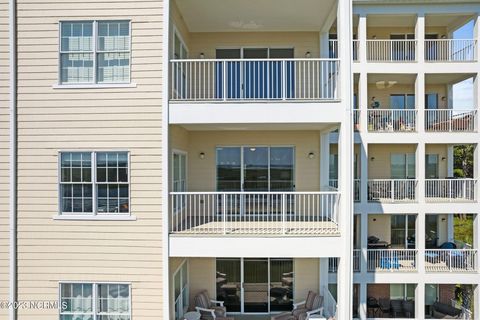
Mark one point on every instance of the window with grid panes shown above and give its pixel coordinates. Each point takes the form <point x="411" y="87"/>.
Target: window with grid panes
<point x="94" y="52"/>
<point x="94" y="183"/>
<point x="95" y="301"/>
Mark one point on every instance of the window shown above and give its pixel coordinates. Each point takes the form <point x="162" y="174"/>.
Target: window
<point x="180" y="281"/>
<point x="179" y="48"/>
<point x="402" y="228"/>
<point x="255" y="168"/>
<point x="94" y="52"/>
<point x="402" y="166"/>
<point x="431" y="166"/>
<point x="111" y="301"/>
<point x="94" y="182"/>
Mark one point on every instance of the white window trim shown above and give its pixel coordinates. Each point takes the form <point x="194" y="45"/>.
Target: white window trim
<point x="94" y="295"/>
<point x="177" y="33"/>
<point x="94" y="84"/>
<point x="94" y="215"/>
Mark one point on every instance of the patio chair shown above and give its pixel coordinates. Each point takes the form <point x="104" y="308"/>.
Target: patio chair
<point x="408" y="307"/>
<point x="384" y="304"/>
<point x="304" y="309"/>
<point x="396" y="308"/>
<point x="208" y="308"/>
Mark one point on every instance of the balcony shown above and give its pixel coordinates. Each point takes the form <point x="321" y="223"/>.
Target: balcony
<point x="387" y="50"/>
<point x="450" y="260"/>
<point x="449" y="120"/>
<point x="392" y="190"/>
<point x="450" y="50"/>
<point x="226" y="80"/>
<point x="392" y="120"/>
<point x="450" y="190"/>
<point x="254" y="213"/>
<point x="390" y="260"/>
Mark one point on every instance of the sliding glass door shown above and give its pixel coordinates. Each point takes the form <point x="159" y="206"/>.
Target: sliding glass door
<point x="256" y="73"/>
<point x="255" y="285"/>
<point x="255" y="168"/>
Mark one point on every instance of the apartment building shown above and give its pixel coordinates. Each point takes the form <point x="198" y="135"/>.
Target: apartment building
<point x="255" y="150"/>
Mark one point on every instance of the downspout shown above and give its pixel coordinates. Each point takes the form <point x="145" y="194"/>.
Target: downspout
<point x="13" y="158"/>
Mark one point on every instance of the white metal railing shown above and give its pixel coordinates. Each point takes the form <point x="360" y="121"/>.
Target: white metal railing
<point x="357" y="253"/>
<point x="449" y="120"/>
<point x="356" y="119"/>
<point x="391" y="260"/>
<point x="355" y="48"/>
<point x="450" y="190"/>
<point x="450" y="50"/>
<point x="391" y="50"/>
<point x="240" y="213"/>
<point x="392" y="120"/>
<point x="329" y="304"/>
<point x="254" y="79"/>
<point x="450" y="260"/>
<point x="392" y="190"/>
<point x="333" y="265"/>
<point x="333" y="183"/>
<point x="333" y="49"/>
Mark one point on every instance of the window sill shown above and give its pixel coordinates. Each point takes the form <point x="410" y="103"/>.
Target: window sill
<point x="94" y="86"/>
<point x="101" y="217"/>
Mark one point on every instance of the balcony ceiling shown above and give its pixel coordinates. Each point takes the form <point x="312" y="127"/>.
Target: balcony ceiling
<point x="254" y="15"/>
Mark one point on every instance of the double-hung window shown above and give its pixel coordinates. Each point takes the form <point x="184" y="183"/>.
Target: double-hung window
<point x="94" y="183"/>
<point x="94" y="52"/>
<point x="95" y="301"/>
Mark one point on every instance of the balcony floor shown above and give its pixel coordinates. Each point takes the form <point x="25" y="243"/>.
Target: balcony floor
<point x="292" y="228"/>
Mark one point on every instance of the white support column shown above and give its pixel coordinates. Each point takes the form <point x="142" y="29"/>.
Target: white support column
<point x="450" y="228"/>
<point x="420" y="37"/>
<point x="420" y="300"/>
<point x="363" y="173"/>
<point x="324" y="45"/>
<point x="420" y="241"/>
<point x="324" y="159"/>
<point x="362" y="312"/>
<point x="345" y="167"/>
<point x="450" y="96"/>
<point x="476" y="298"/>
<point x="450" y="160"/>
<point x="476" y="244"/>
<point x="323" y="273"/>
<point x="363" y="101"/>
<point x="476" y="35"/>
<point x="362" y="38"/>
<point x="363" y="241"/>
<point x="420" y="171"/>
<point x="420" y="101"/>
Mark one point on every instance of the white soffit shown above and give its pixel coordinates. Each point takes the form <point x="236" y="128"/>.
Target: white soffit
<point x="254" y="15"/>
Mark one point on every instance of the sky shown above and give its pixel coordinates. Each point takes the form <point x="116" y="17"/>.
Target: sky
<point x="463" y="91"/>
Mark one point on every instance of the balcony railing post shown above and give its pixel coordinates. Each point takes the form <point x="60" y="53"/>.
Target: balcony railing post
<point x="224" y="212"/>
<point x="283" y="212"/>
<point x="392" y="190"/>
<point x="284" y="80"/>
<point x="224" y="64"/>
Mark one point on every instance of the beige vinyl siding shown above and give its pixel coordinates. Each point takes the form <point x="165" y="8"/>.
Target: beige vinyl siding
<point x="51" y="120"/>
<point x="4" y="156"/>
<point x="306" y="277"/>
<point x="201" y="173"/>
